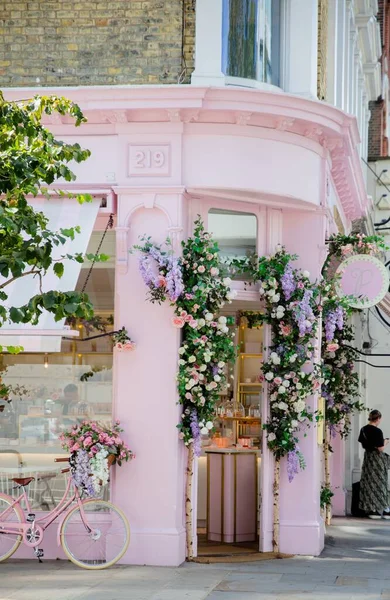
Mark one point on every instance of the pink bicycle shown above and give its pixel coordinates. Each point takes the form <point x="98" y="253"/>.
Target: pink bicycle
<point x="94" y="534"/>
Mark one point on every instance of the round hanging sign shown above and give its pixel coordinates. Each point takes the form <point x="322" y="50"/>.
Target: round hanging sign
<point x="363" y="277"/>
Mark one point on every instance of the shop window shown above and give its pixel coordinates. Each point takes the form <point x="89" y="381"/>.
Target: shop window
<point x="53" y="391"/>
<point x="251" y="39"/>
<point x="235" y="232"/>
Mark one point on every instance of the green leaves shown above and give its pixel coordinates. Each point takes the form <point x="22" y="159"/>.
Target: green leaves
<point x="59" y="269"/>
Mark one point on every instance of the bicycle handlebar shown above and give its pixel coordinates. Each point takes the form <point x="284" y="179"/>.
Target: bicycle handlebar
<point x="62" y="459"/>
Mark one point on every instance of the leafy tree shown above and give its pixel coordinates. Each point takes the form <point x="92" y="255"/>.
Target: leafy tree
<point x="30" y="159"/>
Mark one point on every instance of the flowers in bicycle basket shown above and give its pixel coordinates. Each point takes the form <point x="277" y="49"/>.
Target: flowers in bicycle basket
<point x="93" y="448"/>
<point x="122" y="341"/>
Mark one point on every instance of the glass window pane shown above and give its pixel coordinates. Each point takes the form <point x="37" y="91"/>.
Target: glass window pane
<point x="51" y="392"/>
<point x="251" y="39"/>
<point x="235" y="232"/>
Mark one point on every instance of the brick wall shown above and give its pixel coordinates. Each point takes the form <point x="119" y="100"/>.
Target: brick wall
<point x="71" y="42"/>
<point x="322" y="48"/>
<point x="376" y="129"/>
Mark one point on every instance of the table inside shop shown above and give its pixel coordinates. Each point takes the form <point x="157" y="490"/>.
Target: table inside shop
<point x="41" y="491"/>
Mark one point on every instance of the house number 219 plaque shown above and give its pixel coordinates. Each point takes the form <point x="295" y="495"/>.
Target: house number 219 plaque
<point x="150" y="160"/>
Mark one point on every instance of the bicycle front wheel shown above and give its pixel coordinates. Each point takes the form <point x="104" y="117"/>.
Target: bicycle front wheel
<point x="95" y="535"/>
<point x="9" y="542"/>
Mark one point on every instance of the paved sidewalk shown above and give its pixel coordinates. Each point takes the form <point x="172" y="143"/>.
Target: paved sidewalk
<point x="354" y="565"/>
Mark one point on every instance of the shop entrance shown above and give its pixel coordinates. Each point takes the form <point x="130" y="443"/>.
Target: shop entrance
<point x="229" y="507"/>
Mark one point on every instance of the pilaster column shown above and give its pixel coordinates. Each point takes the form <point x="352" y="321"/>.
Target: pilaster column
<point x="301" y="51"/>
<point x="208" y="44"/>
<point x="301" y="524"/>
<point x="150" y="490"/>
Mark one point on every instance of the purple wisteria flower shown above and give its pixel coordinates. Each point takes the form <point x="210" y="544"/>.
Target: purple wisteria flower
<point x="304" y="314"/>
<point x="293" y="464"/>
<point x="333" y="319"/>
<point x="81" y="472"/>
<point x="174" y="279"/>
<point x="195" y="430"/>
<point x="288" y="282"/>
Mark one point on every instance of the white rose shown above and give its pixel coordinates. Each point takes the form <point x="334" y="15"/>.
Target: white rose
<point x="202" y="367"/>
<point x="278" y="248"/>
<point x="225" y="329"/>
<point x="298" y="386"/>
<point x="217" y="378"/>
<point x="222" y="320"/>
<point x="201" y="323"/>
<point x="261" y="291"/>
<point x="192" y="359"/>
<point x="286" y="383"/>
<point x="227" y="281"/>
<point x="209" y="424"/>
<point x="204" y="431"/>
<point x="294" y="423"/>
<point x="281" y="389"/>
<point x="282" y="406"/>
<point x="299" y="405"/>
<point x="207" y="358"/>
<point x="306" y="274"/>
<point x="209" y="316"/>
<point x="271" y="437"/>
<point x="231" y="295"/>
<point x="181" y="350"/>
<point x="275" y="298"/>
<point x="221" y="364"/>
<point x="269" y="376"/>
<point x="181" y="362"/>
<point x="293" y="358"/>
<point x="276" y="360"/>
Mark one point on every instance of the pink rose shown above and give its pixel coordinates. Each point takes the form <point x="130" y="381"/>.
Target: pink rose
<point x="119" y="346"/>
<point x="193" y="324"/>
<point x="162" y="282"/>
<point x="201" y="269"/>
<point x="87" y="442"/>
<point x="178" y="322"/>
<point x="285" y="329"/>
<point x="278" y="381"/>
<point x="214" y="271"/>
<point x="183" y="314"/>
<point x="332" y="347"/>
<point x="316" y="384"/>
<point x="196" y="307"/>
<point x="204" y="338"/>
<point x="75" y="447"/>
<point x="189" y="318"/>
<point x="189" y="296"/>
<point x="300" y="285"/>
<point x="214" y="324"/>
<point x="129" y="346"/>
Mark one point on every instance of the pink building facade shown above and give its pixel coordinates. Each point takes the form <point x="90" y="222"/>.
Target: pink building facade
<point x="161" y="156"/>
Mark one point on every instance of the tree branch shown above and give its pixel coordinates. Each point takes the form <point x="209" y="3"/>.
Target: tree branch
<point x="32" y="272"/>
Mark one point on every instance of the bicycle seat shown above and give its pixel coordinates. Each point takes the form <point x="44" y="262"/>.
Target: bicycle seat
<point x="23" y="480"/>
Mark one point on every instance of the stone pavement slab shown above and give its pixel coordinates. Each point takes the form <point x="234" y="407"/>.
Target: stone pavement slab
<point x="354" y="566"/>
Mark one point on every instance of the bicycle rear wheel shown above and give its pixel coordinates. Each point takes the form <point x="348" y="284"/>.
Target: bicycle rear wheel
<point x="9" y="542"/>
<point x="95" y="535"/>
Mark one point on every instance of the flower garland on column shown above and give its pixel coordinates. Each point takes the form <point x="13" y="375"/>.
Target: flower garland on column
<point x="340" y="389"/>
<point x="196" y="288"/>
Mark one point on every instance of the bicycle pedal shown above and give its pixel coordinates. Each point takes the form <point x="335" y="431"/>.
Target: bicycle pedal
<point x="39" y="553"/>
<point x="30" y="518"/>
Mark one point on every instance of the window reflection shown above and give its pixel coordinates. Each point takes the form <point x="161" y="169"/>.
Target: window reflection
<point x="51" y="392"/>
<point x="251" y="39"/>
<point x="235" y="232"/>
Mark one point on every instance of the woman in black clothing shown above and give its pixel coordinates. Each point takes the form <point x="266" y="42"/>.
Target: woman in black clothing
<point x="374" y="479"/>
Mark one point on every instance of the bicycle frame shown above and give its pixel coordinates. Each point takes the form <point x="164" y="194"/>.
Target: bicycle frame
<point x="41" y="524"/>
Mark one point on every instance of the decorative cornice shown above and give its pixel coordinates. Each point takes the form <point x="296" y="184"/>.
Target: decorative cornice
<point x="327" y="128"/>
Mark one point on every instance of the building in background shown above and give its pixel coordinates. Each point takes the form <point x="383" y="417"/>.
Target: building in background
<point x="221" y="108"/>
